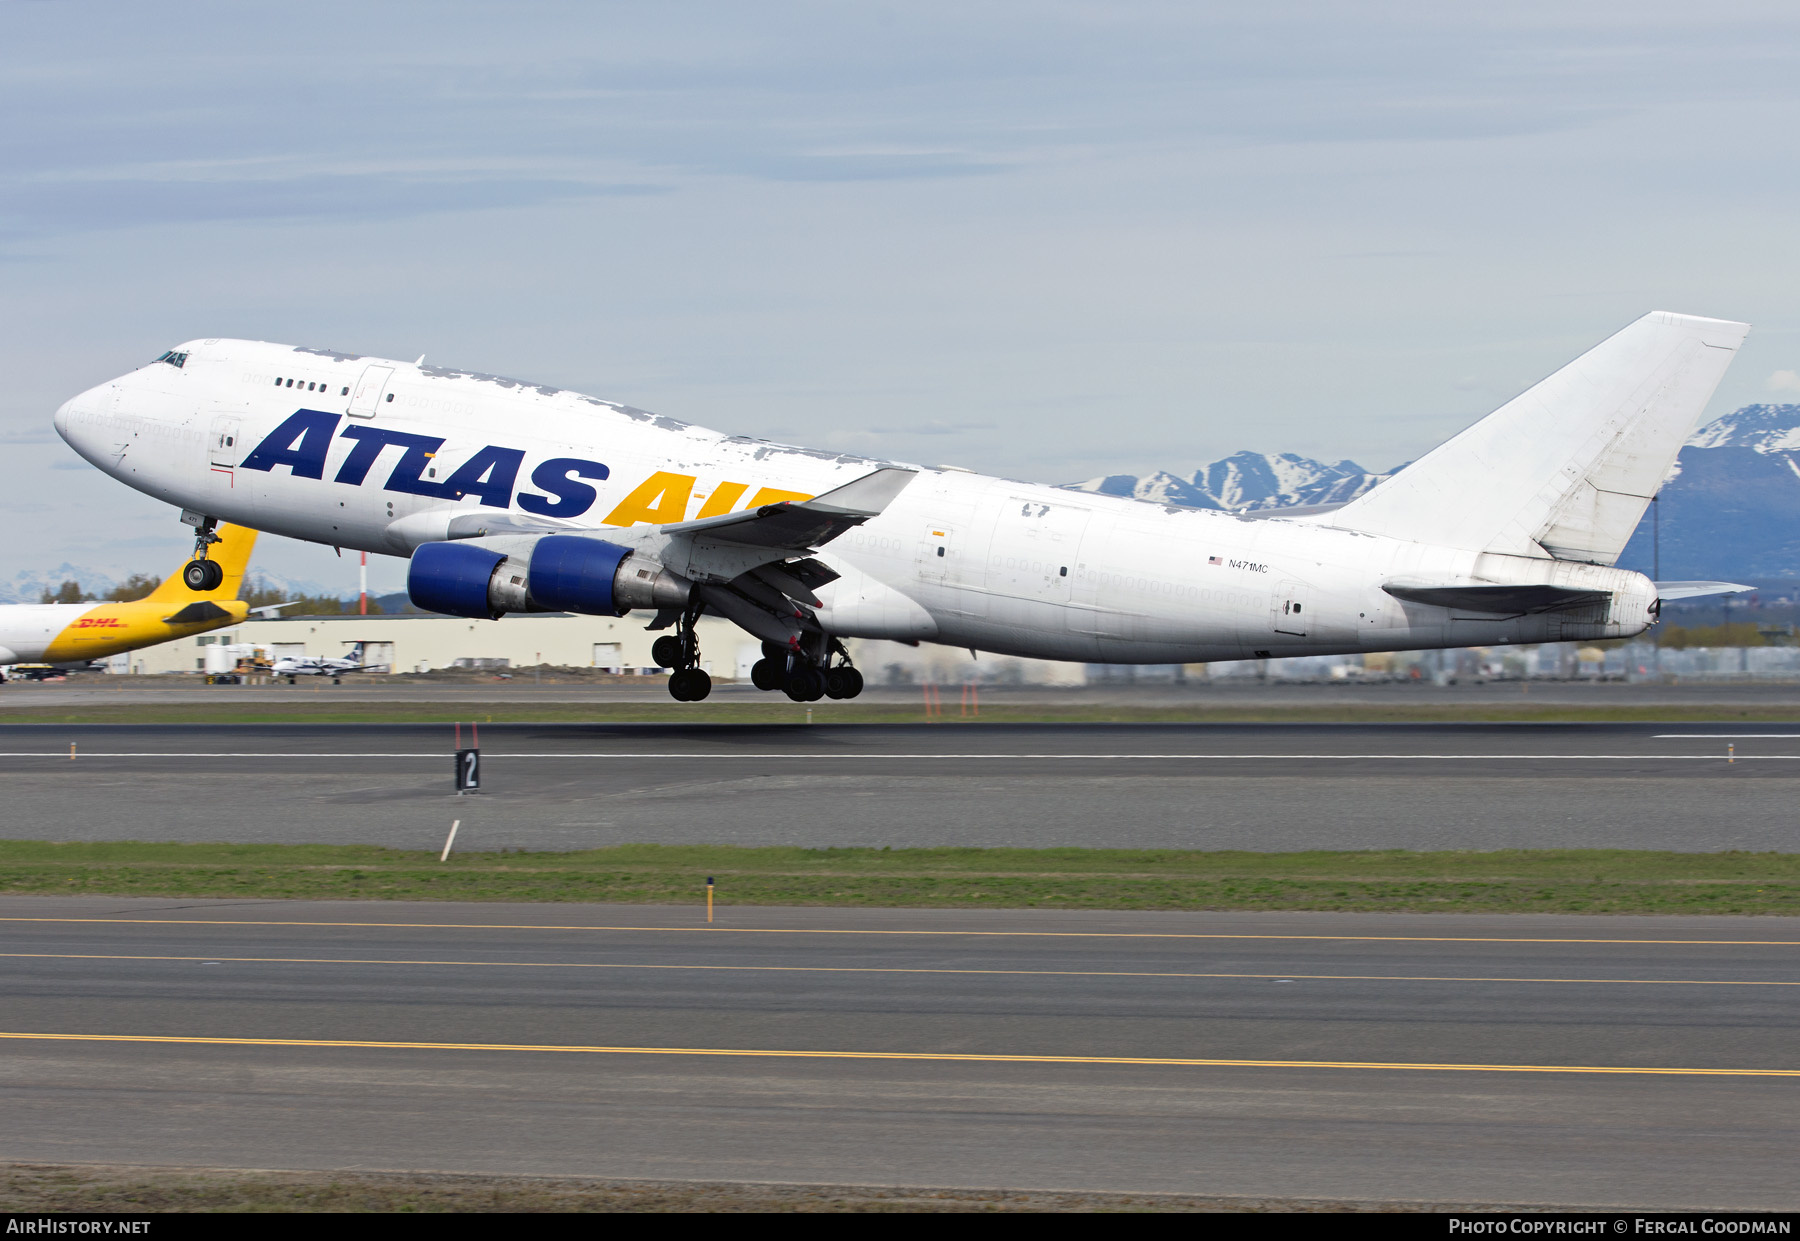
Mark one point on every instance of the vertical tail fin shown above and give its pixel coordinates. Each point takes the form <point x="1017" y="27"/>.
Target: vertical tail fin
<point x="1565" y="469"/>
<point x="232" y="552"/>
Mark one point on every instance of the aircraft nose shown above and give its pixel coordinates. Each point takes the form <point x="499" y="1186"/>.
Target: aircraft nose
<point x="78" y="420"/>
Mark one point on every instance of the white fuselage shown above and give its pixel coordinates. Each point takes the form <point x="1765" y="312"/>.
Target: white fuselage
<point x="378" y="455"/>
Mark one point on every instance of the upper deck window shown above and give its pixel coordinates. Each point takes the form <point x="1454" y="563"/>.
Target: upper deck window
<point x="174" y="359"/>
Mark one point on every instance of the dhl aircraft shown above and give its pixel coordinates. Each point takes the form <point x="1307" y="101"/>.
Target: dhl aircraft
<point x="510" y="496"/>
<point x="73" y="633"/>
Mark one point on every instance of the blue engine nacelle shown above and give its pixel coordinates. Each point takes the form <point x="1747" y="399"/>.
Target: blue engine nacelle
<point x="453" y="578"/>
<point x="573" y="574"/>
<point x="561" y="573"/>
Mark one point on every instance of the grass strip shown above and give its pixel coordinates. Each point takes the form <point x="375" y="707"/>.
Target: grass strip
<point x="1595" y="881"/>
<point x="31" y="1189"/>
<point x="781" y="711"/>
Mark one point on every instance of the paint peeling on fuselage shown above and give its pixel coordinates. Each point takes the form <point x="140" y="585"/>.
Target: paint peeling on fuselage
<point x="766" y="450"/>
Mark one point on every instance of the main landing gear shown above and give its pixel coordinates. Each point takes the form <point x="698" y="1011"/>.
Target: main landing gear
<point x="200" y="574"/>
<point x="807" y="675"/>
<point x="681" y="651"/>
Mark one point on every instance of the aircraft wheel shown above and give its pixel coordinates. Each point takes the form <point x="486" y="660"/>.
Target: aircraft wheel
<point x="202" y="575"/>
<point x="666" y="651"/>
<point x="689" y="685"/>
<point x="766" y="674"/>
<point x="843" y="683"/>
<point x="806" y="685"/>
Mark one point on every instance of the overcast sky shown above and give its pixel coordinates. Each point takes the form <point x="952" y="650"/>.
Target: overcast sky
<point x="1049" y="240"/>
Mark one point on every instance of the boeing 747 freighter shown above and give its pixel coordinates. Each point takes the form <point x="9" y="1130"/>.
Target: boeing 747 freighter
<point x="510" y="496"/>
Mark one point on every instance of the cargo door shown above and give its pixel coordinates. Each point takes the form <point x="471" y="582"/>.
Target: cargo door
<point x="1033" y="554"/>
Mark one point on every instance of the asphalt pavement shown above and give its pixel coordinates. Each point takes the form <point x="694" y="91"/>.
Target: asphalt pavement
<point x="1532" y="1060"/>
<point x="1200" y="786"/>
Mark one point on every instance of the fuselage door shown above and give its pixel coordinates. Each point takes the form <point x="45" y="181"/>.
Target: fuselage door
<point x="223" y="449"/>
<point x="1290" y="609"/>
<point x="1033" y="555"/>
<point x="937" y="554"/>
<point x="365" y="398"/>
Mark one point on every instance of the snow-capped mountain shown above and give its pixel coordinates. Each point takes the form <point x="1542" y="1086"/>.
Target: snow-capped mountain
<point x="1244" y="480"/>
<point x="1730" y="508"/>
<point x="1765" y="428"/>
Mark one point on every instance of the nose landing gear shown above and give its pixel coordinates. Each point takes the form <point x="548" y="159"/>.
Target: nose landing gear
<point x="200" y="574"/>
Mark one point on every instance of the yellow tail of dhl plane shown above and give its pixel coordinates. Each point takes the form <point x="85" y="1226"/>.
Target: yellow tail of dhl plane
<point x="74" y="632"/>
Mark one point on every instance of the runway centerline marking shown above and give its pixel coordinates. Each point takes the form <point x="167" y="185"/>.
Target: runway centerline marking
<point x="777" y="930"/>
<point x="930" y="1056"/>
<point x="884" y="969"/>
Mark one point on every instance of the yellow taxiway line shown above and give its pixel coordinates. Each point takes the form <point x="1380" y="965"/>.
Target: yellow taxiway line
<point x="888" y="969"/>
<point x="775" y="930"/>
<point x="929" y="1056"/>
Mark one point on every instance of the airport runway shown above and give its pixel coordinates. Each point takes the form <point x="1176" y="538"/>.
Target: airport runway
<point x="1571" y="1061"/>
<point x="1199" y="786"/>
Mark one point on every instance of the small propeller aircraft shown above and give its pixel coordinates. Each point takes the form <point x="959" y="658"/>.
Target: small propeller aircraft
<point x="291" y="666"/>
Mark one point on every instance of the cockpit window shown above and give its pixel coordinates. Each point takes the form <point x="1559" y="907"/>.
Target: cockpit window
<point x="174" y="359"/>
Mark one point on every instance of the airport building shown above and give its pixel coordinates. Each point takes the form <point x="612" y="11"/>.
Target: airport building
<point x="415" y="642"/>
<point x="419" y="642"/>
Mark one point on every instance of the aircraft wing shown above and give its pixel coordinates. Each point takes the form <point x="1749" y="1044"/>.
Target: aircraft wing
<point x="801" y="525"/>
<point x="793" y="526"/>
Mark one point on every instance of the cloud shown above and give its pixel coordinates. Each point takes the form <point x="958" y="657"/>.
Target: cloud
<point x="71" y="204"/>
<point x="934" y="428"/>
<point x="1783" y="381"/>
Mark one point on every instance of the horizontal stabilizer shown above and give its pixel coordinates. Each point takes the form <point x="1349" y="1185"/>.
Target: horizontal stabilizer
<point x="1498" y="600"/>
<point x="203" y="612"/>
<point x="1694" y="590"/>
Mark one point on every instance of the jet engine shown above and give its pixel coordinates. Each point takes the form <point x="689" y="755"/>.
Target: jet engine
<point x="558" y="573"/>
